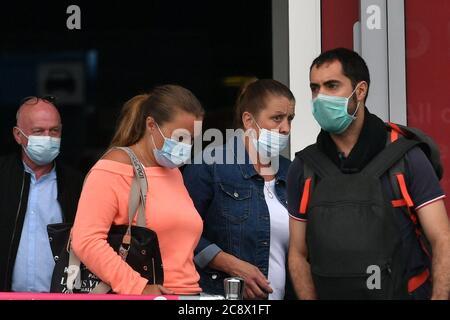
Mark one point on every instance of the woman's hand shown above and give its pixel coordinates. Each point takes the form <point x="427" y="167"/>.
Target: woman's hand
<point x="156" y="289"/>
<point x="256" y="284"/>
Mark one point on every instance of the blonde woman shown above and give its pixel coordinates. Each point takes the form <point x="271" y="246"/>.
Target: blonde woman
<point x="150" y="126"/>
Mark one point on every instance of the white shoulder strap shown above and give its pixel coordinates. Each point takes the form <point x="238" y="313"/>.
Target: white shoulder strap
<point x="137" y="198"/>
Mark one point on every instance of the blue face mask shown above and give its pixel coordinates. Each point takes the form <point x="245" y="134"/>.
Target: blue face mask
<point x="270" y="143"/>
<point x="332" y="112"/>
<point x="41" y="149"/>
<point x="173" y="154"/>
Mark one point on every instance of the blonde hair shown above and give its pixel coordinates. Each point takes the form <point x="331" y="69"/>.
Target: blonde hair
<point x="161" y="104"/>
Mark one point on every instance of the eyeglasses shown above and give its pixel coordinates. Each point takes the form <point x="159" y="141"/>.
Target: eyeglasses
<point x="35" y="99"/>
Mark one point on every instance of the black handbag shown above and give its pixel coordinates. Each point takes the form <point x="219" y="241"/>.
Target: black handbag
<point x="137" y="245"/>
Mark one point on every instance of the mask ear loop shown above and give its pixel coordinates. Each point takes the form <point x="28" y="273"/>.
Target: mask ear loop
<point x="359" y="103"/>
<point x="160" y="132"/>
<point x="356" y="111"/>
<point x="354" y="91"/>
<point x="162" y="135"/>
<point x="259" y="128"/>
<point x="20" y="130"/>
<point x="256" y="123"/>
<point x="154" y="144"/>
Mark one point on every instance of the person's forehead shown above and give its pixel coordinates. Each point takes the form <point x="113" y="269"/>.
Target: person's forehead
<point x="39" y="114"/>
<point x="328" y="71"/>
<point x="181" y="119"/>
<point x="279" y="103"/>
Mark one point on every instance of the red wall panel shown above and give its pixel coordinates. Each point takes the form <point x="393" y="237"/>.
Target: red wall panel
<point x="338" y="18"/>
<point x="428" y="73"/>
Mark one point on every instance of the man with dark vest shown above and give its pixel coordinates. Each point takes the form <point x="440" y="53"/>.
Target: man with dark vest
<point x="352" y="235"/>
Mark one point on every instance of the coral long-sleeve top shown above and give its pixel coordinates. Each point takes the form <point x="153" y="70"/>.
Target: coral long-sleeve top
<point x="170" y="212"/>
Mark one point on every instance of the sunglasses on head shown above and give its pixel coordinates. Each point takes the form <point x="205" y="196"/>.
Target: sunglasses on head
<point x="35" y="99"/>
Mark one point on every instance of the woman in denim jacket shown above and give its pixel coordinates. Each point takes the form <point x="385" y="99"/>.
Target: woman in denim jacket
<point x="239" y="190"/>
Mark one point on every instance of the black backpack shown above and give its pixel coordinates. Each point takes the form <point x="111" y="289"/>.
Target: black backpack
<point x="351" y="230"/>
<point x="397" y="175"/>
<point x="427" y="144"/>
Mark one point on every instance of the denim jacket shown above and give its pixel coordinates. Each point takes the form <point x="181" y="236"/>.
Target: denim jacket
<point x="230" y="199"/>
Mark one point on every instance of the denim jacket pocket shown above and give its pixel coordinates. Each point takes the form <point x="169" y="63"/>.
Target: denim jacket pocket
<point x="236" y="202"/>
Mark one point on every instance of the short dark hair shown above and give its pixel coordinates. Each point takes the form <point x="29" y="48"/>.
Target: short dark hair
<point x="353" y="65"/>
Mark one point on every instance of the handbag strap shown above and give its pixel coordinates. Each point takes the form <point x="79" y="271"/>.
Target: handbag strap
<point x="135" y="193"/>
<point x="138" y="192"/>
<point x="137" y="200"/>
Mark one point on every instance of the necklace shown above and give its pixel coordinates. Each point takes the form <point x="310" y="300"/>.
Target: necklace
<point x="269" y="193"/>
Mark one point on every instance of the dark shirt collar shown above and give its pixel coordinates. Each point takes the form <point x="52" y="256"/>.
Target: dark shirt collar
<point x="371" y="141"/>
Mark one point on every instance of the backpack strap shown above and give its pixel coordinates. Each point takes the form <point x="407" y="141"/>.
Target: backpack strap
<point x="395" y="131"/>
<point x="308" y="182"/>
<point x="399" y="187"/>
<point x="315" y="163"/>
<point x="428" y="145"/>
<point x="397" y="171"/>
<point x="318" y="162"/>
<point x="405" y="203"/>
<point x="388" y="157"/>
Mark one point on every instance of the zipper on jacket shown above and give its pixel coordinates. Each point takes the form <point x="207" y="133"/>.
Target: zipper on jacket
<point x="15" y="225"/>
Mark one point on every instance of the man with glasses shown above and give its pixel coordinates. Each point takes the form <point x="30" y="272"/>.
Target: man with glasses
<point x="35" y="190"/>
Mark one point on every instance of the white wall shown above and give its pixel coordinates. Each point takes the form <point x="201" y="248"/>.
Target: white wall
<point x="304" y="45"/>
